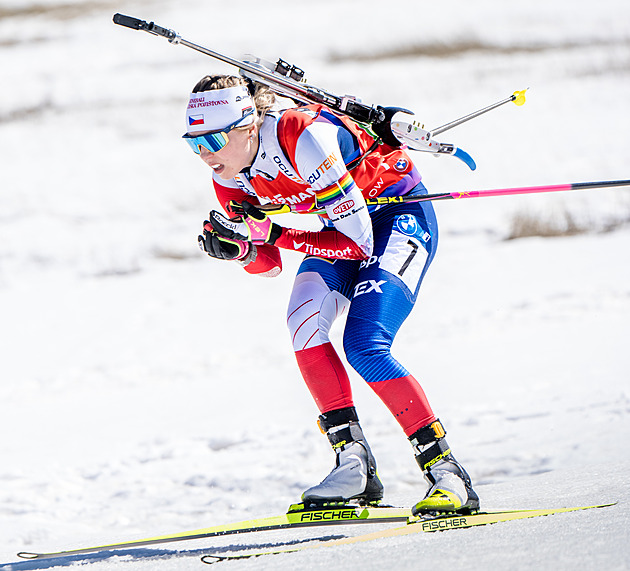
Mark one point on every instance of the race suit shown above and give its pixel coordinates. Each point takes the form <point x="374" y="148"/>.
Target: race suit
<point x="366" y="262"/>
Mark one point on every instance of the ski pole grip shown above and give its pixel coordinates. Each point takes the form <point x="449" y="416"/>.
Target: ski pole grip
<point x="129" y="22"/>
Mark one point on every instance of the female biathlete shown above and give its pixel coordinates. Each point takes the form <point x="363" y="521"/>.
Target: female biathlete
<point x="366" y="262"/>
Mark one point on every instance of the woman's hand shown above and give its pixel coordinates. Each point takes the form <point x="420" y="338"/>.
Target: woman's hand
<point x="253" y="225"/>
<point x="220" y="247"/>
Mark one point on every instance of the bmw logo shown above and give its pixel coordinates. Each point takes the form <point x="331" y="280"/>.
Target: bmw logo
<point x="407" y="224"/>
<point x="401" y="165"/>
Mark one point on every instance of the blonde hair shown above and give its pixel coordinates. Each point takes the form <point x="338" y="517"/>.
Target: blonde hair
<point x="262" y="96"/>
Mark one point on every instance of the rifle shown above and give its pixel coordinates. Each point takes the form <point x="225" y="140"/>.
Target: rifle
<point x="288" y="81"/>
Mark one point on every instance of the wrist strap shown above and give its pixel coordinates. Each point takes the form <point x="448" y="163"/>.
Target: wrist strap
<point x="249" y="257"/>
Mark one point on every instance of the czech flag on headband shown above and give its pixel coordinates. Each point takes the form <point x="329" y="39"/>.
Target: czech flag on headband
<point x="195" y="120"/>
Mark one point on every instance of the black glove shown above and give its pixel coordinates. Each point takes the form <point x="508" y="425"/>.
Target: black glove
<point x="220" y="247"/>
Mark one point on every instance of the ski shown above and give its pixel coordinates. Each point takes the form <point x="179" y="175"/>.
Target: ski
<point x="415" y="525"/>
<point x="298" y="516"/>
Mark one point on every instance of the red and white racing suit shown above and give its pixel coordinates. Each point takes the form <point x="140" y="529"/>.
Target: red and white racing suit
<point x="302" y="160"/>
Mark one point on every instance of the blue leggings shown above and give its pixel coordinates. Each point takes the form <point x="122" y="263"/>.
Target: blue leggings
<point x="380" y="292"/>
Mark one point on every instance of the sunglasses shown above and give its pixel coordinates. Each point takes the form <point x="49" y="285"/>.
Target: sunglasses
<point x="215" y="140"/>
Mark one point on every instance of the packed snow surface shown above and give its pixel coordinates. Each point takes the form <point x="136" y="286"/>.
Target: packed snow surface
<point x="147" y="389"/>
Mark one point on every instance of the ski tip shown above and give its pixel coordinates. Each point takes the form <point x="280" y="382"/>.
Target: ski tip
<point x="210" y="559"/>
<point x="607" y="505"/>
<point x="28" y="555"/>
<point x="216" y="558"/>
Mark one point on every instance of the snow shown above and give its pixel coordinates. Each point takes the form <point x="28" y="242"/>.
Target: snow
<point x="146" y="389"/>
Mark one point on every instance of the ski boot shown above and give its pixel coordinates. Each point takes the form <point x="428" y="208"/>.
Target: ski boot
<point x="354" y="476"/>
<point x="450" y="486"/>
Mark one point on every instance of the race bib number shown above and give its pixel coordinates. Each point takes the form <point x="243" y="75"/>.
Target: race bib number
<point x="405" y="254"/>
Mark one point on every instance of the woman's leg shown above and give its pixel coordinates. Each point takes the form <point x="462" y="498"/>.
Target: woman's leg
<point x="320" y="295"/>
<point x="314" y="305"/>
<point x="386" y="290"/>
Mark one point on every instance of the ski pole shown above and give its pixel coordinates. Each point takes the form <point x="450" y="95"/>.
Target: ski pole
<point x="384" y="200"/>
<point x="498" y="192"/>
<point x="518" y="97"/>
<point x="418" y="139"/>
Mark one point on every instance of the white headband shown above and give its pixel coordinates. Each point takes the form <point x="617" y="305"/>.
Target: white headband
<point x="216" y="109"/>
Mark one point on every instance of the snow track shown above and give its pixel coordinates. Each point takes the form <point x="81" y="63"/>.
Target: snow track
<point x="127" y="405"/>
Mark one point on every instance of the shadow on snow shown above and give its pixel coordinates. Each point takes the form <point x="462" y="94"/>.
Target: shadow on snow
<point x="147" y="554"/>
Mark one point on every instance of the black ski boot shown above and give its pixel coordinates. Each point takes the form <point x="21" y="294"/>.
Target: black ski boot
<point x="354" y="476"/>
<point x="450" y="485"/>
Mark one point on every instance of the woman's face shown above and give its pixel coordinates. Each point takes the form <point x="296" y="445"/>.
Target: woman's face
<point x="235" y="156"/>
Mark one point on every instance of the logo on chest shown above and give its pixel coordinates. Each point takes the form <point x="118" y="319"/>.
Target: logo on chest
<point x="284" y="169"/>
<point x="343" y="207"/>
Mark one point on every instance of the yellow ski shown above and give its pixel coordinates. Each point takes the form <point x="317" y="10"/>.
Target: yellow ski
<point x="415" y="525"/>
<point x="296" y="517"/>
